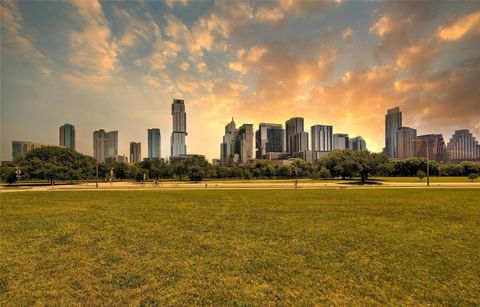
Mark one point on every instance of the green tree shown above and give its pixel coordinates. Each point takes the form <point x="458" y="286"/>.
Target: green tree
<point x="421" y="174"/>
<point x="324" y="173"/>
<point x="196" y="173"/>
<point x="472" y="176"/>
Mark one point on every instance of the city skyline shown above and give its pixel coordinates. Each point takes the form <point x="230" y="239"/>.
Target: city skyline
<point x="339" y="64"/>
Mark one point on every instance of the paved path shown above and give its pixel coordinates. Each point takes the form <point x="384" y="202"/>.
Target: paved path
<point x="236" y="185"/>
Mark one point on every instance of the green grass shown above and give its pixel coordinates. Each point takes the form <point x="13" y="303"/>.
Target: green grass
<point x="241" y="247"/>
<point x="432" y="179"/>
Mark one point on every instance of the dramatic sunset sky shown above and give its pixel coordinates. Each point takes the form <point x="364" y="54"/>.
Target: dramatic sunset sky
<point x="118" y="65"/>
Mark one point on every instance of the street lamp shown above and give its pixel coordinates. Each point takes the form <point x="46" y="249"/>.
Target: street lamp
<point x="18" y="172"/>
<point x="428" y="166"/>
<point x="96" y="183"/>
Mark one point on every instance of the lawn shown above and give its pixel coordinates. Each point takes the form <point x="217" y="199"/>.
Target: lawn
<point x="424" y="180"/>
<point x="241" y="247"/>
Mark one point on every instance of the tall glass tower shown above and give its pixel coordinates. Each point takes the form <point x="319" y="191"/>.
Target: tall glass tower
<point x="67" y="136"/>
<point x="179" y="132"/>
<point x="393" y="121"/>
<point x="153" y="143"/>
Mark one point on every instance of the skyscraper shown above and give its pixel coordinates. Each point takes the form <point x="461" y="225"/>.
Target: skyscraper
<point x="228" y="152"/>
<point x="105" y="145"/>
<point x="296" y="137"/>
<point x="135" y="152"/>
<point x="154" y="142"/>
<point x="179" y="132"/>
<point x="245" y="142"/>
<point x="322" y="138"/>
<point x="357" y="143"/>
<point x="436" y="147"/>
<point x="340" y="141"/>
<point x="406" y="138"/>
<point x="462" y="146"/>
<point x="269" y="138"/>
<point x="393" y="121"/>
<point x="67" y="136"/>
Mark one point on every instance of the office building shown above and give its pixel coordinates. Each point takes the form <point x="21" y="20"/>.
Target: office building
<point x="179" y="131"/>
<point x="269" y="138"/>
<point x="357" y="143"/>
<point x="393" y="121"/>
<point x="228" y="153"/>
<point x="296" y="138"/>
<point x="20" y="148"/>
<point x="154" y="142"/>
<point x="340" y="141"/>
<point x="322" y="138"/>
<point x="105" y="145"/>
<point x="462" y="146"/>
<point x="67" y="136"/>
<point x="135" y="152"/>
<point x="122" y="158"/>
<point x="435" y="145"/>
<point x="406" y="141"/>
<point x="245" y="143"/>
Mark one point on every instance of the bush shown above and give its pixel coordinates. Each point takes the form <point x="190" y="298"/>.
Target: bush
<point x="421" y="174"/>
<point x="472" y="176"/>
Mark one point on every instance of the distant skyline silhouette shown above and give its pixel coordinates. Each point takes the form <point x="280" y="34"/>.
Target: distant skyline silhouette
<point x="118" y="65"/>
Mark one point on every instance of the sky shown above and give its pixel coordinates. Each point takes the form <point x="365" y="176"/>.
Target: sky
<point x="118" y="66"/>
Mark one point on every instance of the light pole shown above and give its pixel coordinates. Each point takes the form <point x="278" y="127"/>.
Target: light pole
<point x="18" y="172"/>
<point x="96" y="183"/>
<point x="428" y="166"/>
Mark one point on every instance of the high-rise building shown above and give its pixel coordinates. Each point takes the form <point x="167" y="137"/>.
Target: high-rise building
<point x="67" y="136"/>
<point x="357" y="143"/>
<point x="406" y="138"/>
<point x="462" y="146"/>
<point x="228" y="152"/>
<point x="269" y="139"/>
<point x="135" y="152"/>
<point x="393" y="121"/>
<point x="105" y="145"/>
<point x="245" y="142"/>
<point x="322" y="138"/>
<point x="154" y="143"/>
<point x="435" y="145"/>
<point x="20" y="148"/>
<point x="340" y="141"/>
<point x="296" y="138"/>
<point x="179" y="132"/>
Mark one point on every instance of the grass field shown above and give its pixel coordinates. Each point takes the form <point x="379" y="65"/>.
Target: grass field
<point x="243" y="247"/>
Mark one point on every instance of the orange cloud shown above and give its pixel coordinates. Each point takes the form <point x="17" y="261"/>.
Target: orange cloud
<point x="459" y="27"/>
<point x="269" y="14"/>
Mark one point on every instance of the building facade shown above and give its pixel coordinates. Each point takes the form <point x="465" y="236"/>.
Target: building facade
<point x="357" y="143"/>
<point x="179" y="131"/>
<point x="228" y="153"/>
<point x="434" y="144"/>
<point x="406" y="138"/>
<point x="67" y="136"/>
<point x="462" y="146"/>
<point x="340" y="141"/>
<point x="154" y="142"/>
<point x="245" y="143"/>
<point x="393" y="121"/>
<point x="295" y="136"/>
<point x="322" y="138"/>
<point x="269" y="138"/>
<point x="20" y="148"/>
<point x="105" y="145"/>
<point x="135" y="152"/>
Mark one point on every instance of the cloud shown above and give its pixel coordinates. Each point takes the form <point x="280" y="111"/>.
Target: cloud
<point x="347" y="33"/>
<point x="459" y="27"/>
<point x="269" y="14"/>
<point x="16" y="42"/>
<point x="92" y="51"/>
<point x="172" y="3"/>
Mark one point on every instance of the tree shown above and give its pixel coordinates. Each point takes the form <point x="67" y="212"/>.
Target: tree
<point x="421" y="174"/>
<point x="135" y="172"/>
<point x="196" y="173"/>
<point x="180" y="169"/>
<point x="472" y="176"/>
<point x="324" y="173"/>
<point x="8" y="174"/>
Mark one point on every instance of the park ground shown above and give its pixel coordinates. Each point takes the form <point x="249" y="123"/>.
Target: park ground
<point x="241" y="247"/>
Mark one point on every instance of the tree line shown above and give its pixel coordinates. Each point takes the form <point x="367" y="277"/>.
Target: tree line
<point x="55" y="163"/>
